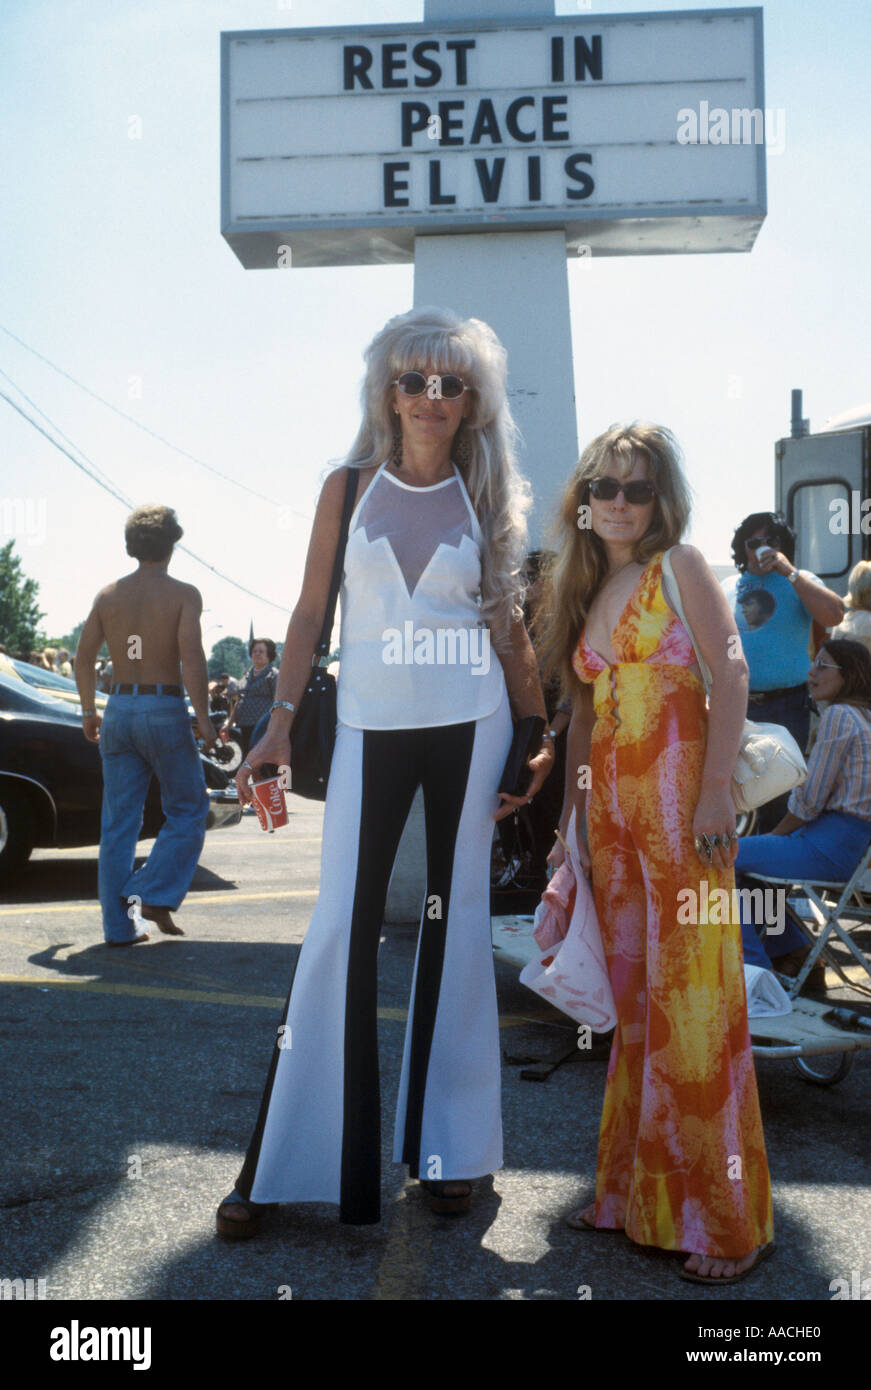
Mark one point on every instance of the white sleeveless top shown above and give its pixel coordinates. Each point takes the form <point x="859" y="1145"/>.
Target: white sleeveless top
<point x="414" y="649"/>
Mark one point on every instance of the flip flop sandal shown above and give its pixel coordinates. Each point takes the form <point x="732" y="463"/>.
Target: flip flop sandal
<point x="232" y="1226"/>
<point x="762" y="1254"/>
<point x="439" y="1202"/>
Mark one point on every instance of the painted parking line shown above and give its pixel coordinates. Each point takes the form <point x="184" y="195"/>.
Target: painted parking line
<point x="263" y="839"/>
<point x="136" y="964"/>
<point x="80" y="851"/>
<point x="192" y="900"/>
<point x="191" y="996"/>
<point x="202" y="996"/>
<point x="400" y="1274"/>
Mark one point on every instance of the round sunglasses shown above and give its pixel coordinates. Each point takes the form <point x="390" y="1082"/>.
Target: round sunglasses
<point x="436" y="387"/>
<point x="636" y="494"/>
<point x="756" y="543"/>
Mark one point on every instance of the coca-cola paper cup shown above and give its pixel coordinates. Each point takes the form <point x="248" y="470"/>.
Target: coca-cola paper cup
<point x="269" y="803"/>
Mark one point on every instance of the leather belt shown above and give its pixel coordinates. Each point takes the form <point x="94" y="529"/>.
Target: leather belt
<point x="757" y="696"/>
<point x="145" y="690"/>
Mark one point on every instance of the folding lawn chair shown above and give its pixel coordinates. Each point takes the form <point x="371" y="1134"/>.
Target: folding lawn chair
<point x="827" y="914"/>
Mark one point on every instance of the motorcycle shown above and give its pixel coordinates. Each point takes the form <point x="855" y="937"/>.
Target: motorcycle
<point x="227" y="753"/>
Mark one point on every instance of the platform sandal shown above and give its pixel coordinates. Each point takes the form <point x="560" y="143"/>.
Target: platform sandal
<point x="448" y="1205"/>
<point x="234" y="1227"/>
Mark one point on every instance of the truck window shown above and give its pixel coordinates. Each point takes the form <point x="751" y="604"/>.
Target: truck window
<point x="824" y="551"/>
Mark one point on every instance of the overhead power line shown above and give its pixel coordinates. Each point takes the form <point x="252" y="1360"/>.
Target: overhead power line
<point x="97" y="470"/>
<point x="108" y="486"/>
<point x="131" y="419"/>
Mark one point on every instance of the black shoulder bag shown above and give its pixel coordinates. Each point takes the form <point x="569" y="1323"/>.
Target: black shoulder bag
<point x="313" y="732"/>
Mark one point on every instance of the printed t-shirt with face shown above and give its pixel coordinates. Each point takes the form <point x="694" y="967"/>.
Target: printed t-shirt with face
<point x="774" y="626"/>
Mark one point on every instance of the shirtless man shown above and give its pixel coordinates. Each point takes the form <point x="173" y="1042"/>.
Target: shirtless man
<point x="152" y="626"/>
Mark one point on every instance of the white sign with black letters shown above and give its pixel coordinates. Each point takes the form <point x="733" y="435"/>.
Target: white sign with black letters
<point x="346" y="143"/>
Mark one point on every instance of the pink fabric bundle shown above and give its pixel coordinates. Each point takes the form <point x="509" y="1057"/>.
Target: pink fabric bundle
<point x="570" y="971"/>
<point x="554" y="912"/>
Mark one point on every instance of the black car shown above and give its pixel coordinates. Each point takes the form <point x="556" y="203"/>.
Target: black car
<point x="51" y="780"/>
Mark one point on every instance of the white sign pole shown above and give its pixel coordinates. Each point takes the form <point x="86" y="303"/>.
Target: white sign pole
<point x="518" y="283"/>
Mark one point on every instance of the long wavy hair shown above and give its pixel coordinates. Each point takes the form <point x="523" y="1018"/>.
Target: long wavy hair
<point x="484" y="447"/>
<point x="577" y="565"/>
<point x="854" y="660"/>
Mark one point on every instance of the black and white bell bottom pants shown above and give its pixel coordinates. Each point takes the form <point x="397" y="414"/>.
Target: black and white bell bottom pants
<point x="318" y="1133"/>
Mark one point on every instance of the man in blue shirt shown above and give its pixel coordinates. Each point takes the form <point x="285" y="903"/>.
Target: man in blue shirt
<point x="775" y="606"/>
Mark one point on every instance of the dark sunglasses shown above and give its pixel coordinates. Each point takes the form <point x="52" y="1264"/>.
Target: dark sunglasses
<point x="756" y="542"/>
<point x="436" y="387"/>
<point x="636" y="494"/>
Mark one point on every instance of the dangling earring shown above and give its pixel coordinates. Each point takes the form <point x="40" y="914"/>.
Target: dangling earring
<point x="396" y="451"/>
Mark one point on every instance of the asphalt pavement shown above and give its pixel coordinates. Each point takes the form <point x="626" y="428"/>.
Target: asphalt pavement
<point x="133" y="1077"/>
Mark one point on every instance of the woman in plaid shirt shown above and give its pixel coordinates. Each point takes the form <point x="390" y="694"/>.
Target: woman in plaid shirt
<point x="256" y="691"/>
<point x="827" y="828"/>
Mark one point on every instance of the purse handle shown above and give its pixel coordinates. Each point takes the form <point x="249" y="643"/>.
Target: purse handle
<point x="323" y="643"/>
<point x="673" y="590"/>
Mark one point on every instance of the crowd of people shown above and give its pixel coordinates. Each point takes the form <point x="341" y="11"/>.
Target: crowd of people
<point x="433" y="505"/>
<point x="56" y="659"/>
<point x="225" y="692"/>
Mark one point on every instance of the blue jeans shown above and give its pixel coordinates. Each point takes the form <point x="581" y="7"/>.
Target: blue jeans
<point x="829" y="847"/>
<point x="141" y="736"/>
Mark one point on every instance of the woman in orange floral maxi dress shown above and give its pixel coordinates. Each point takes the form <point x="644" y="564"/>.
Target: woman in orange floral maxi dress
<point x="681" y="1161"/>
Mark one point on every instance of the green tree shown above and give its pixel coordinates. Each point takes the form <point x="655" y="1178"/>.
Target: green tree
<point x="228" y="654"/>
<point x="19" y="613"/>
<point x="70" y="640"/>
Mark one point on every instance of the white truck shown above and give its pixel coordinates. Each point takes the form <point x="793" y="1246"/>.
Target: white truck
<point x="823" y="488"/>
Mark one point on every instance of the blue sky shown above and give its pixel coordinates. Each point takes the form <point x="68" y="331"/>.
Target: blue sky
<point x="114" y="268"/>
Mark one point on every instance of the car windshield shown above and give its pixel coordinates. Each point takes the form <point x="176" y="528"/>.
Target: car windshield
<point x="16" y="696"/>
<point x="37" y="675"/>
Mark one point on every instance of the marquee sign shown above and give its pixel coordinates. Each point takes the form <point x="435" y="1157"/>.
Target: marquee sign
<point x="343" y="144"/>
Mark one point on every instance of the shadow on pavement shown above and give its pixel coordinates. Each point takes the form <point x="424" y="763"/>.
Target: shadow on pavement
<point x="170" y="1073"/>
<point x="65" y="879"/>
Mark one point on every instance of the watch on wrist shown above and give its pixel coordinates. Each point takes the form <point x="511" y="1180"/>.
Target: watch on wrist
<point x="794" y="576"/>
<point x="282" y="704"/>
<point x="88" y="713"/>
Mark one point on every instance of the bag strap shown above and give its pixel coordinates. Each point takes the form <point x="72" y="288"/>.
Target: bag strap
<point x="323" y="643"/>
<point x="673" y="590"/>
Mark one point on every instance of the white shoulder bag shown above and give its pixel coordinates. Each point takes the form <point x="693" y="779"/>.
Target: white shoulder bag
<point x="769" y="760"/>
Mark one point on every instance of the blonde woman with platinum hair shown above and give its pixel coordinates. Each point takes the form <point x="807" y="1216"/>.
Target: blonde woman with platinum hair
<point x="856" y="623"/>
<point x="681" y="1161"/>
<point x="484" y="446"/>
<point x="435" y="547"/>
